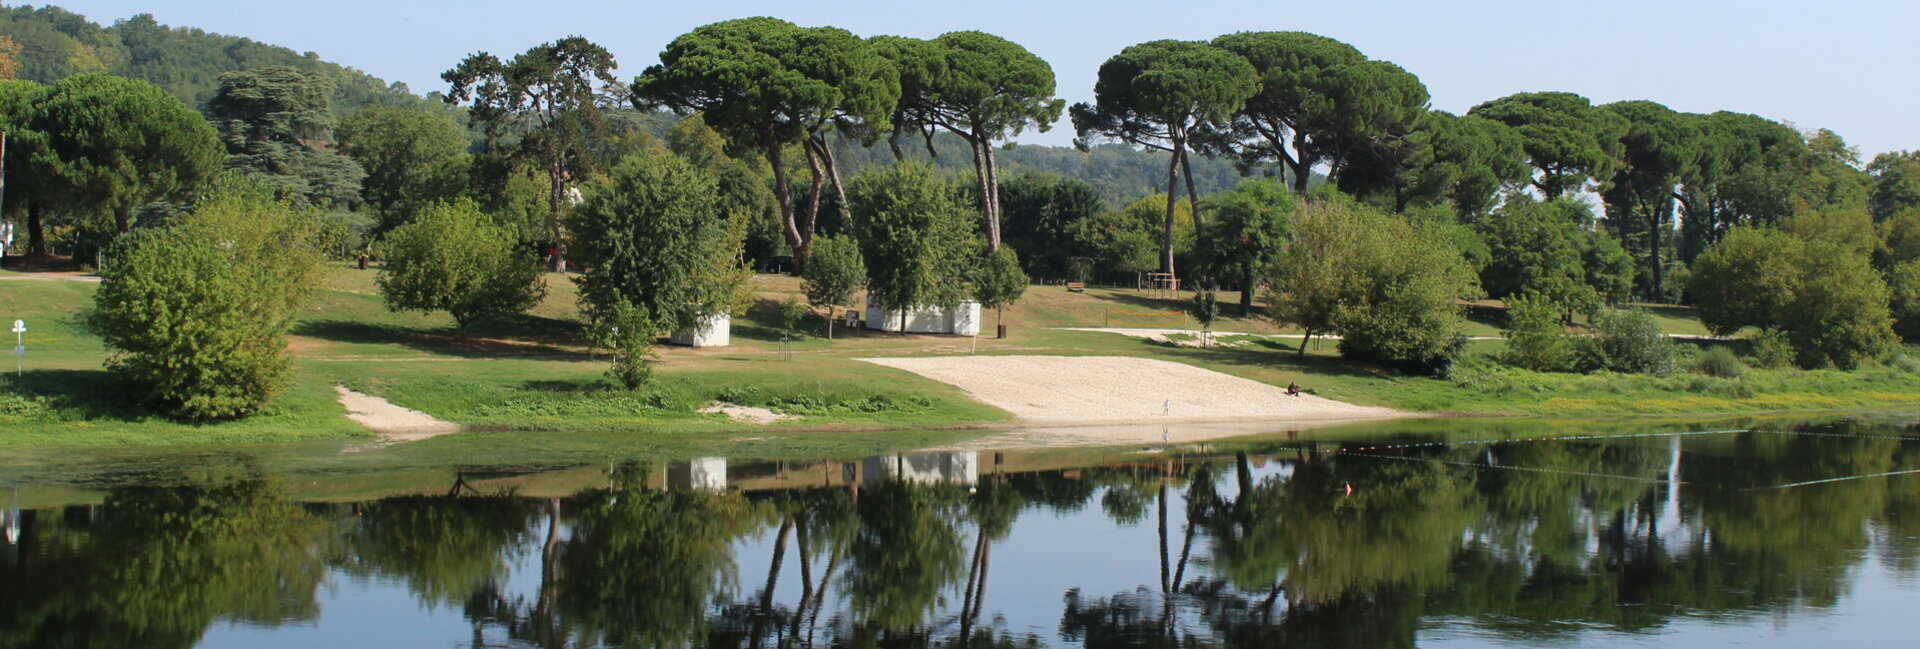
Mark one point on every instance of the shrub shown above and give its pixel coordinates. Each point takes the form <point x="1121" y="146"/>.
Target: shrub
<point x="629" y="331"/>
<point x="196" y="314"/>
<point x="1631" y="342"/>
<point x="790" y="313"/>
<point x="1907" y="363"/>
<point x="834" y="273"/>
<point x="1720" y="362"/>
<point x="1535" y="338"/>
<point x="453" y="258"/>
<point x="1770" y="349"/>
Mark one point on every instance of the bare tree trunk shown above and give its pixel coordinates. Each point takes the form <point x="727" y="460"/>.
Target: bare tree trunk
<point x="1173" y="197"/>
<point x="1304" y="340"/>
<point x="1166" y="579"/>
<point x="993" y="202"/>
<point x="817" y="179"/>
<point x="557" y="196"/>
<point x="36" y="231"/>
<point x="1298" y="164"/>
<point x="788" y="222"/>
<point x="123" y="219"/>
<point x="765" y="612"/>
<point x="983" y="184"/>
<point x="893" y="143"/>
<point x="833" y="177"/>
<point x="1193" y="200"/>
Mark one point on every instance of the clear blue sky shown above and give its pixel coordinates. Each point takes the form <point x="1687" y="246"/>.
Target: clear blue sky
<point x="1844" y="65"/>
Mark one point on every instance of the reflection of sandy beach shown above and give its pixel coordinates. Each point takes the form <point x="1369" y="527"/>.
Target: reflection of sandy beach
<point x="1126" y="392"/>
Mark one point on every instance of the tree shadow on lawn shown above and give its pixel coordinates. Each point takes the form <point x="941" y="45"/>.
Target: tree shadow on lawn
<point x="1271" y="354"/>
<point x="87" y="394"/>
<point x="1487" y="315"/>
<point x="523" y="336"/>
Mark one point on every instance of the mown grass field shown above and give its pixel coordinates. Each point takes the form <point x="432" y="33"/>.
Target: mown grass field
<point x="531" y="382"/>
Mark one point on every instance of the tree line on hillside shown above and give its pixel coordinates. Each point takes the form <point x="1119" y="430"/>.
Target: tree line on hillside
<point x="1762" y="225"/>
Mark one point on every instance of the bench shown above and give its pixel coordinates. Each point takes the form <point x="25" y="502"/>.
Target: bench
<point x="1076" y="287"/>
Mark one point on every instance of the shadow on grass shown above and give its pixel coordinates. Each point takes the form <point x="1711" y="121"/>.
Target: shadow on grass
<point x="522" y="336"/>
<point x="1273" y="354"/>
<point x="762" y="322"/>
<point x="1487" y="315"/>
<point x="586" y="386"/>
<point x="82" y="394"/>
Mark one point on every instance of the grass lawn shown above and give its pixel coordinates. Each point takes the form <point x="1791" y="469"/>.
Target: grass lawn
<point x="530" y="387"/>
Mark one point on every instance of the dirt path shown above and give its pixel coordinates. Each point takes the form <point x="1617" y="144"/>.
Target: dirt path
<point x="1081" y="390"/>
<point x="51" y="277"/>
<point x="393" y="423"/>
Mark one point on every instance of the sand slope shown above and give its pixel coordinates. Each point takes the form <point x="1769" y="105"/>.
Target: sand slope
<point x="1099" y="389"/>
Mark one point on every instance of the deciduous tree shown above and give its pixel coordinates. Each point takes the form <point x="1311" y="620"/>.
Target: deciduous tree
<point x="414" y="157"/>
<point x="453" y="258"/>
<point x="834" y="275"/>
<point x="649" y="236"/>
<point x="1246" y="234"/>
<point x="915" y="237"/>
<point x="197" y="313"/>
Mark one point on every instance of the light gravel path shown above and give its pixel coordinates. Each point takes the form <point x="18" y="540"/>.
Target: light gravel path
<point x="746" y="414"/>
<point x="50" y="277"/>
<point x="393" y="423"/>
<point x="1112" y="389"/>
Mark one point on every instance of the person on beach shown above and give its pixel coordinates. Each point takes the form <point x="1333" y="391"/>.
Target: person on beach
<point x="1293" y="389"/>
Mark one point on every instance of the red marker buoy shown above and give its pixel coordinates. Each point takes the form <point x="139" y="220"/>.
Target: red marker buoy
<point x="1349" y="488"/>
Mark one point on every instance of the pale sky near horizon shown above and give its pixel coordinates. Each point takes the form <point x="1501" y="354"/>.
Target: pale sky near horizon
<point x="1834" y="67"/>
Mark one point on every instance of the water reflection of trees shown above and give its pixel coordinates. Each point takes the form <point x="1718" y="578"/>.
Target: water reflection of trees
<point x="1265" y="547"/>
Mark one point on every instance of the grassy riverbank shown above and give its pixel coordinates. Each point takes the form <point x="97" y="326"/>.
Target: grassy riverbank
<point x="535" y="374"/>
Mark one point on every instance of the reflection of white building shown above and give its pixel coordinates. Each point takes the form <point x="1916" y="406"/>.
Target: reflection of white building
<point x="960" y="467"/>
<point x="10" y="518"/>
<point x="962" y="320"/>
<point x="716" y="331"/>
<point x="699" y="474"/>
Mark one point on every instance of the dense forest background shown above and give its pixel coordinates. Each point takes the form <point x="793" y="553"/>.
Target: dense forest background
<point x="187" y="62"/>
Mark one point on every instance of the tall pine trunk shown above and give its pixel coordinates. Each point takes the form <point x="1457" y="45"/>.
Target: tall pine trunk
<point x="556" y="197"/>
<point x="789" y="224"/>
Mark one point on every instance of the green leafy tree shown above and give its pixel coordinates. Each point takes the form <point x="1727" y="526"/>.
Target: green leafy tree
<point x="453" y="258"/>
<point x="1388" y="286"/>
<point x="197" y="313"/>
<point x="629" y="332"/>
<point x="998" y="282"/>
<point x="1825" y="297"/>
<point x="1656" y="149"/>
<point x="1538" y="247"/>
<point x="1471" y="162"/>
<point x="766" y="85"/>
<point x="648" y="237"/>
<point x="1246" y="234"/>
<point x="979" y="87"/>
<point x="541" y="108"/>
<point x="18" y="101"/>
<point x="1040" y="213"/>
<point x="1903" y="284"/>
<point x="1320" y="100"/>
<point x="914" y="236"/>
<point x="835" y="275"/>
<point x="1205" y="309"/>
<point x="115" y="144"/>
<point x="277" y="124"/>
<point x="1568" y="141"/>
<point x="1161" y="95"/>
<point x="1536" y="338"/>
<point x="1896" y="183"/>
<point x="1629" y="341"/>
<point x="414" y="157"/>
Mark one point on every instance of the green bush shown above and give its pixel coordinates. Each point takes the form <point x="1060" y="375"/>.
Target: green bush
<point x="1770" y="349"/>
<point x="1630" y="342"/>
<point x="1719" y="362"/>
<point x="1535" y="338"/>
<point x="629" y="331"/>
<point x="196" y="314"/>
<point x="453" y="258"/>
<point x="1906" y="363"/>
<point x="790" y="314"/>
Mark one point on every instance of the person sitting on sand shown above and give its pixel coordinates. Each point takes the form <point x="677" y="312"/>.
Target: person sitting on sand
<point x="1293" y="389"/>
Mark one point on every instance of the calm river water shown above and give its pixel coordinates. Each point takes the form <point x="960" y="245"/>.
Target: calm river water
<point x="1781" y="535"/>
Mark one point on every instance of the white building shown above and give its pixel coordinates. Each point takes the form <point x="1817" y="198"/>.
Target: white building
<point x="963" y="320"/>
<point x="716" y="332"/>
